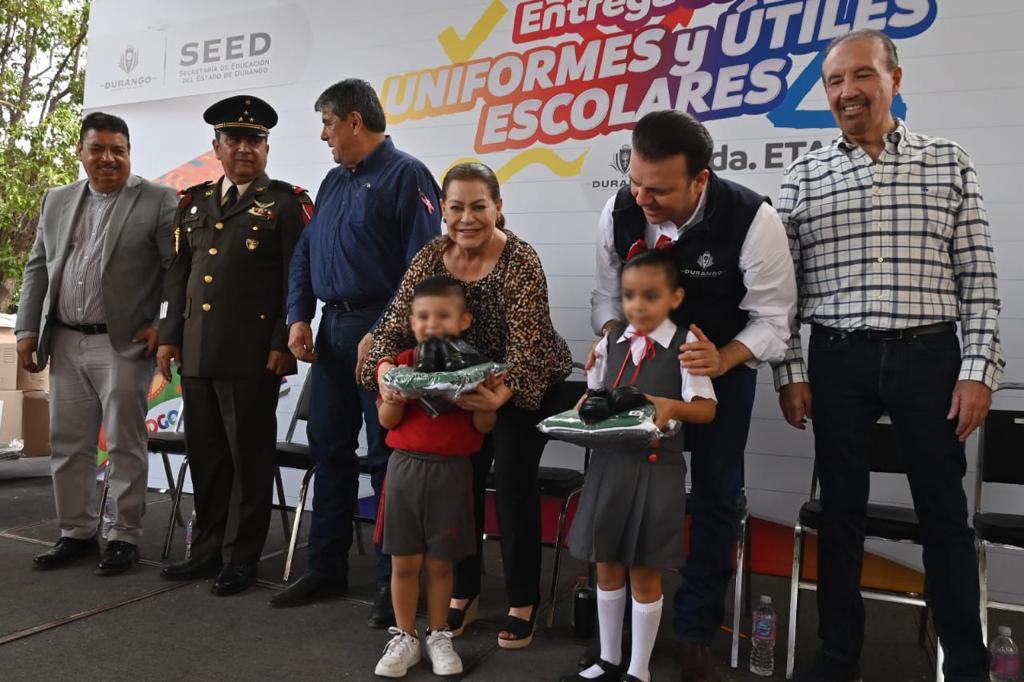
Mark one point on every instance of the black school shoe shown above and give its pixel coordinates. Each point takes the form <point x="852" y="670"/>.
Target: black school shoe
<point x="612" y="673"/>
<point x="430" y="355"/>
<point x="459" y="354"/>
<point x="625" y="398"/>
<point x="382" y="614"/>
<point x="234" y="578"/>
<point x="596" y="406"/>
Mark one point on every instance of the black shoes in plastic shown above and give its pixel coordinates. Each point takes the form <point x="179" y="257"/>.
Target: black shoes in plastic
<point x="600" y="404"/>
<point x="446" y="355"/>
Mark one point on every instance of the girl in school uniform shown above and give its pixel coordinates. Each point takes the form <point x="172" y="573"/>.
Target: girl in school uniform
<point x="632" y="510"/>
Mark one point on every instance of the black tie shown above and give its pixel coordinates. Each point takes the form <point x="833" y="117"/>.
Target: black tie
<point x="231" y="199"/>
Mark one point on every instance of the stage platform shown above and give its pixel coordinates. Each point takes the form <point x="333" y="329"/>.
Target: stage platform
<point x="71" y="625"/>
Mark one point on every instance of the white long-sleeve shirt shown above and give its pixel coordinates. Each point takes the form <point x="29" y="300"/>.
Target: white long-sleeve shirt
<point x="765" y="261"/>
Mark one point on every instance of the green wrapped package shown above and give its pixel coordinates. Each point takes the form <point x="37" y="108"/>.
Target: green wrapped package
<point x="450" y="385"/>
<point x="634" y="428"/>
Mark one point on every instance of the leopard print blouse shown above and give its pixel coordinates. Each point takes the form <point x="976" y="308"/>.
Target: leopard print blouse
<point x="511" y="319"/>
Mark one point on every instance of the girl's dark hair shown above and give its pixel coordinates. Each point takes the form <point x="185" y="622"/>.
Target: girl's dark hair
<point x="474" y="171"/>
<point x="653" y="258"/>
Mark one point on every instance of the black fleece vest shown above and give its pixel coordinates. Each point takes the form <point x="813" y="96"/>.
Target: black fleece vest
<point x="707" y="254"/>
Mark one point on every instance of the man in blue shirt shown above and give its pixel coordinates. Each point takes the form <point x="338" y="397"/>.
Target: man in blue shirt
<point x="374" y="212"/>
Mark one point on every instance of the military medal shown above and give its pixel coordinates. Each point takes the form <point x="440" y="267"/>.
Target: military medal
<point x="251" y="244"/>
<point x="177" y="239"/>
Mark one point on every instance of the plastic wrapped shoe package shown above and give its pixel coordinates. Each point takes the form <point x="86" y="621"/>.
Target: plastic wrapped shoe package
<point x="632" y="428"/>
<point x="445" y="384"/>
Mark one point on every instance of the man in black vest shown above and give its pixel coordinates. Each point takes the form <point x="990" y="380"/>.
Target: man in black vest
<point x="735" y="267"/>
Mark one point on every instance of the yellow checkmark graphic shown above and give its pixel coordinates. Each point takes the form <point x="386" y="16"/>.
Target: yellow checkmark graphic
<point x="544" y="157"/>
<point x="461" y="49"/>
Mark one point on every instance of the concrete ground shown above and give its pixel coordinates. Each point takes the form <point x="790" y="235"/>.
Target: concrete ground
<point x="71" y="625"/>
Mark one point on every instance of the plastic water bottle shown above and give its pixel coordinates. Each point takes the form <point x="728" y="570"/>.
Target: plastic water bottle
<point x="188" y="536"/>
<point x="1004" y="658"/>
<point x="762" y="652"/>
<point x="109" y="514"/>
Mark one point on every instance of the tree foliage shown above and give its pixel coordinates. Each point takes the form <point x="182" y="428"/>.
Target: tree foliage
<point x="42" y="70"/>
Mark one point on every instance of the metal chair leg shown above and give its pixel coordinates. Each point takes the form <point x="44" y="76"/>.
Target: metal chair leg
<point x="794" y="597"/>
<point x="748" y="589"/>
<point x="175" y="508"/>
<point x="741" y="541"/>
<point x="171" y="488"/>
<point x="282" y="507"/>
<point x="559" y="539"/>
<point x="297" y="524"/>
<point x="983" y="585"/>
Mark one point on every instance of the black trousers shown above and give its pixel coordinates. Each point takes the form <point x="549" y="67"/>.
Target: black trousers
<point x="231" y="434"/>
<point x="853" y="381"/>
<point x="515" y="448"/>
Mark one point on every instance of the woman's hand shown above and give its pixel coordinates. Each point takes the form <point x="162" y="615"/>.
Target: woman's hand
<point x="484" y="399"/>
<point x="382" y="369"/>
<point x="390" y="396"/>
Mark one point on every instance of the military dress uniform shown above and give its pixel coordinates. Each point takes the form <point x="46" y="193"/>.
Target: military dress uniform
<point x="225" y="309"/>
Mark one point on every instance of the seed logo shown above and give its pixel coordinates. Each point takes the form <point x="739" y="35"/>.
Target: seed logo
<point x="705" y="260"/>
<point x="129" y="60"/>
<point x="620" y="161"/>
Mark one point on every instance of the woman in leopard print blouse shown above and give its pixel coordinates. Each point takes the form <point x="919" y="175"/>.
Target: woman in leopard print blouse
<point x="507" y="294"/>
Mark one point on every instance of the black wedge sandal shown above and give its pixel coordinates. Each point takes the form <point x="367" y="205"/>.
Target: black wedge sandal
<point x="460" y="619"/>
<point x="521" y="629"/>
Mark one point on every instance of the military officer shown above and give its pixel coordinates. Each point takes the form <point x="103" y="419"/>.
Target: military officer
<point x="223" y="324"/>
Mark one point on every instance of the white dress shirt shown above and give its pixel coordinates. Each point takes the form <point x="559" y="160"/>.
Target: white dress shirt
<point x="225" y="185"/>
<point x="765" y="261"/>
<point x="692" y="386"/>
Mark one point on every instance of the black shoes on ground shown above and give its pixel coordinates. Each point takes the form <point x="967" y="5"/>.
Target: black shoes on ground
<point x="696" y="664"/>
<point x="612" y="673"/>
<point x="65" y="552"/>
<point x="118" y="557"/>
<point x="446" y="355"/>
<point x="194" y="568"/>
<point x="308" y="589"/>
<point x="382" y="614"/>
<point x="234" y="578"/>
<point x="600" y="404"/>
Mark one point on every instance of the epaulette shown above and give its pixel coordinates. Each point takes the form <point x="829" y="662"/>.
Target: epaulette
<point x="186" y="194"/>
<point x="288" y="187"/>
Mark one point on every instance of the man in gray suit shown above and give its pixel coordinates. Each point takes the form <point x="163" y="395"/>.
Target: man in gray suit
<point x="89" y="305"/>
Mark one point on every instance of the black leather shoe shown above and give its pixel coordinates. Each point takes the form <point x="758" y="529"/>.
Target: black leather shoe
<point x="66" y="551"/>
<point x="612" y="673"/>
<point x="596" y="406"/>
<point x="627" y="398"/>
<point x="382" y="615"/>
<point x="429" y="356"/>
<point x="192" y="569"/>
<point x="118" y="557"/>
<point x="234" y="578"/>
<point x="308" y="589"/>
<point x="459" y="354"/>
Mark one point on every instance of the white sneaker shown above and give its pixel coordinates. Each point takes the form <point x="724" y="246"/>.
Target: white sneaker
<point x="401" y="653"/>
<point x="441" y="652"/>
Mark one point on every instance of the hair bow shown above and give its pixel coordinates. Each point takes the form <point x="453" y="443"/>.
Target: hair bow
<point x="640" y="245"/>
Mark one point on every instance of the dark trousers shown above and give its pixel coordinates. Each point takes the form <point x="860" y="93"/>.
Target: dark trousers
<point x="339" y="407"/>
<point x="853" y="381"/>
<point x="231" y="437"/>
<point x="515" y="448"/>
<point x="716" y="475"/>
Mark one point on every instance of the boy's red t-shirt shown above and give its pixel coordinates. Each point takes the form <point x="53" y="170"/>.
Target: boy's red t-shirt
<point x="449" y="433"/>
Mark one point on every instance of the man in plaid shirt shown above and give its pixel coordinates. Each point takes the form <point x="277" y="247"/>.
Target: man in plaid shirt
<point x="891" y="247"/>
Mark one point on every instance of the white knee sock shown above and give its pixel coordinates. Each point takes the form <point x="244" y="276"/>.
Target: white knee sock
<point x="646" y="618"/>
<point x="611" y="605"/>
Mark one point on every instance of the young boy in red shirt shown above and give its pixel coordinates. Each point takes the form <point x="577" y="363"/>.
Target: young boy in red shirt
<point x="428" y="492"/>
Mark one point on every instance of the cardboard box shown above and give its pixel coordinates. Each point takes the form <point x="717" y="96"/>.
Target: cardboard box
<point x="26" y="415"/>
<point x="8" y="360"/>
<point x="12" y="376"/>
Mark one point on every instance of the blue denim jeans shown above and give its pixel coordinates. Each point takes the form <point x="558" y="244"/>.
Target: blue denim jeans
<point x="716" y="475"/>
<point x="339" y="407"/>
<point x="853" y="381"/>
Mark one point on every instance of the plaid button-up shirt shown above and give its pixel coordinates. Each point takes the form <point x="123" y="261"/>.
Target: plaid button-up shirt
<point x="895" y="243"/>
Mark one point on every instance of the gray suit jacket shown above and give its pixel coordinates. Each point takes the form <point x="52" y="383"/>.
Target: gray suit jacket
<point x="138" y="248"/>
